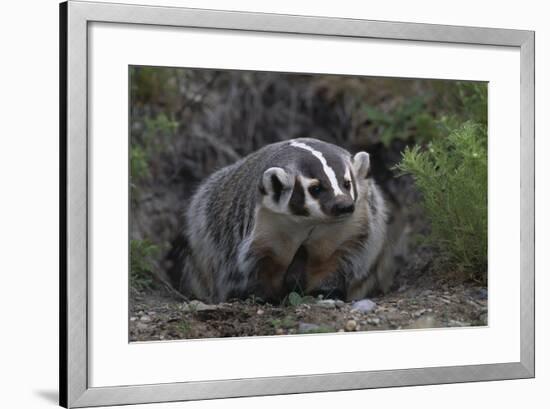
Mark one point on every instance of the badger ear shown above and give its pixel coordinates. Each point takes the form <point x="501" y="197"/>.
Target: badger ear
<point x="361" y="164"/>
<point x="275" y="181"/>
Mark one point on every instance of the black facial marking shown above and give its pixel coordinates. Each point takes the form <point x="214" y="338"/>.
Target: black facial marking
<point x="298" y="200"/>
<point x="277" y="188"/>
<point x="315" y="190"/>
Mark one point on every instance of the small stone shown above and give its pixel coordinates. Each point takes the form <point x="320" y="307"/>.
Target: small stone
<point x="141" y="326"/>
<point x="364" y="306"/>
<point x="482" y="294"/>
<point x="456" y="323"/>
<point x="329" y="304"/>
<point x="133" y="319"/>
<point x="426" y="321"/>
<point x="200" y="306"/>
<point x="339" y="303"/>
<point x="145" y="318"/>
<point x="373" y="321"/>
<point x="260" y="312"/>
<point x="279" y="331"/>
<point x="419" y="313"/>
<point x="341" y="330"/>
<point x="351" y="325"/>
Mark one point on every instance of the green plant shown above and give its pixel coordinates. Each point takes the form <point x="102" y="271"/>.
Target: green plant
<point x="286" y="323"/>
<point x="452" y="177"/>
<point x="145" y="148"/>
<point x="142" y="270"/>
<point x="161" y="126"/>
<point x="419" y="117"/>
<point x="139" y="168"/>
<point x="402" y="121"/>
<point x="472" y="97"/>
<point x="294" y="299"/>
<point x="184" y="327"/>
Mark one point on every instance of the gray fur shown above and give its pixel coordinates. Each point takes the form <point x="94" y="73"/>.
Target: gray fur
<point x="250" y="221"/>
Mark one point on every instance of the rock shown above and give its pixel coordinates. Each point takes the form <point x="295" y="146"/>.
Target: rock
<point x="373" y="321"/>
<point x="141" y="326"/>
<point x="426" y="321"/>
<point x="456" y="323"/>
<point x="339" y="303"/>
<point x="199" y="306"/>
<point x="363" y="306"/>
<point x="329" y="304"/>
<point x="419" y="313"/>
<point x="307" y="327"/>
<point x="351" y="325"/>
<point x="133" y="319"/>
<point x="260" y="312"/>
<point x="481" y="294"/>
<point x="279" y="331"/>
<point x="145" y="318"/>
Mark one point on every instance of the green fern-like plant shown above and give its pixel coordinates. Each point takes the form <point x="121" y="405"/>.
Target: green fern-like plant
<point x="451" y="173"/>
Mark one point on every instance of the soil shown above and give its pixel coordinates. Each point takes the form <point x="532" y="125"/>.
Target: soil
<point x="429" y="302"/>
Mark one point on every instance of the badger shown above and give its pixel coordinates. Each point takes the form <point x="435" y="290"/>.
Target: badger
<point x="302" y="214"/>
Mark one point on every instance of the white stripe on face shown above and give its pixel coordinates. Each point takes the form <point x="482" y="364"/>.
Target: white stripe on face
<point x="347" y="176"/>
<point x="327" y="169"/>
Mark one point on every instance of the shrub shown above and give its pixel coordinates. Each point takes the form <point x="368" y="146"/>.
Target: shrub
<point x="452" y="177"/>
<point x="407" y="119"/>
<point x="142" y="270"/>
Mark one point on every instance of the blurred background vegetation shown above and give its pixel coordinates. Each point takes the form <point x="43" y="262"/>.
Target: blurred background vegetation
<point x="427" y="140"/>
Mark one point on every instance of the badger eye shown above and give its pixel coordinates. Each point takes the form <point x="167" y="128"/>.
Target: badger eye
<point x="347" y="184"/>
<point x="315" y="190"/>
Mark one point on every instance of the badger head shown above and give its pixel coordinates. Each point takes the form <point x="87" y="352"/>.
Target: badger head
<point x="316" y="181"/>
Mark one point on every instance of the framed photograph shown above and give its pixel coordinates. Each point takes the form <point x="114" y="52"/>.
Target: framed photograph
<point x="259" y="204"/>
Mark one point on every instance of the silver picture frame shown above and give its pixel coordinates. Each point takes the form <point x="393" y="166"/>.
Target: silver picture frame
<point x="75" y="16"/>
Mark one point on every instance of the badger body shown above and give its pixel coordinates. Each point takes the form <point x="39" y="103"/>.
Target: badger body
<point x="299" y="213"/>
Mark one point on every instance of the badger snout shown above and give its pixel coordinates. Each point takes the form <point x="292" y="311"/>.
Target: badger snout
<point x="342" y="207"/>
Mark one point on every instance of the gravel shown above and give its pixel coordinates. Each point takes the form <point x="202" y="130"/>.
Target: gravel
<point x="425" y="302"/>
